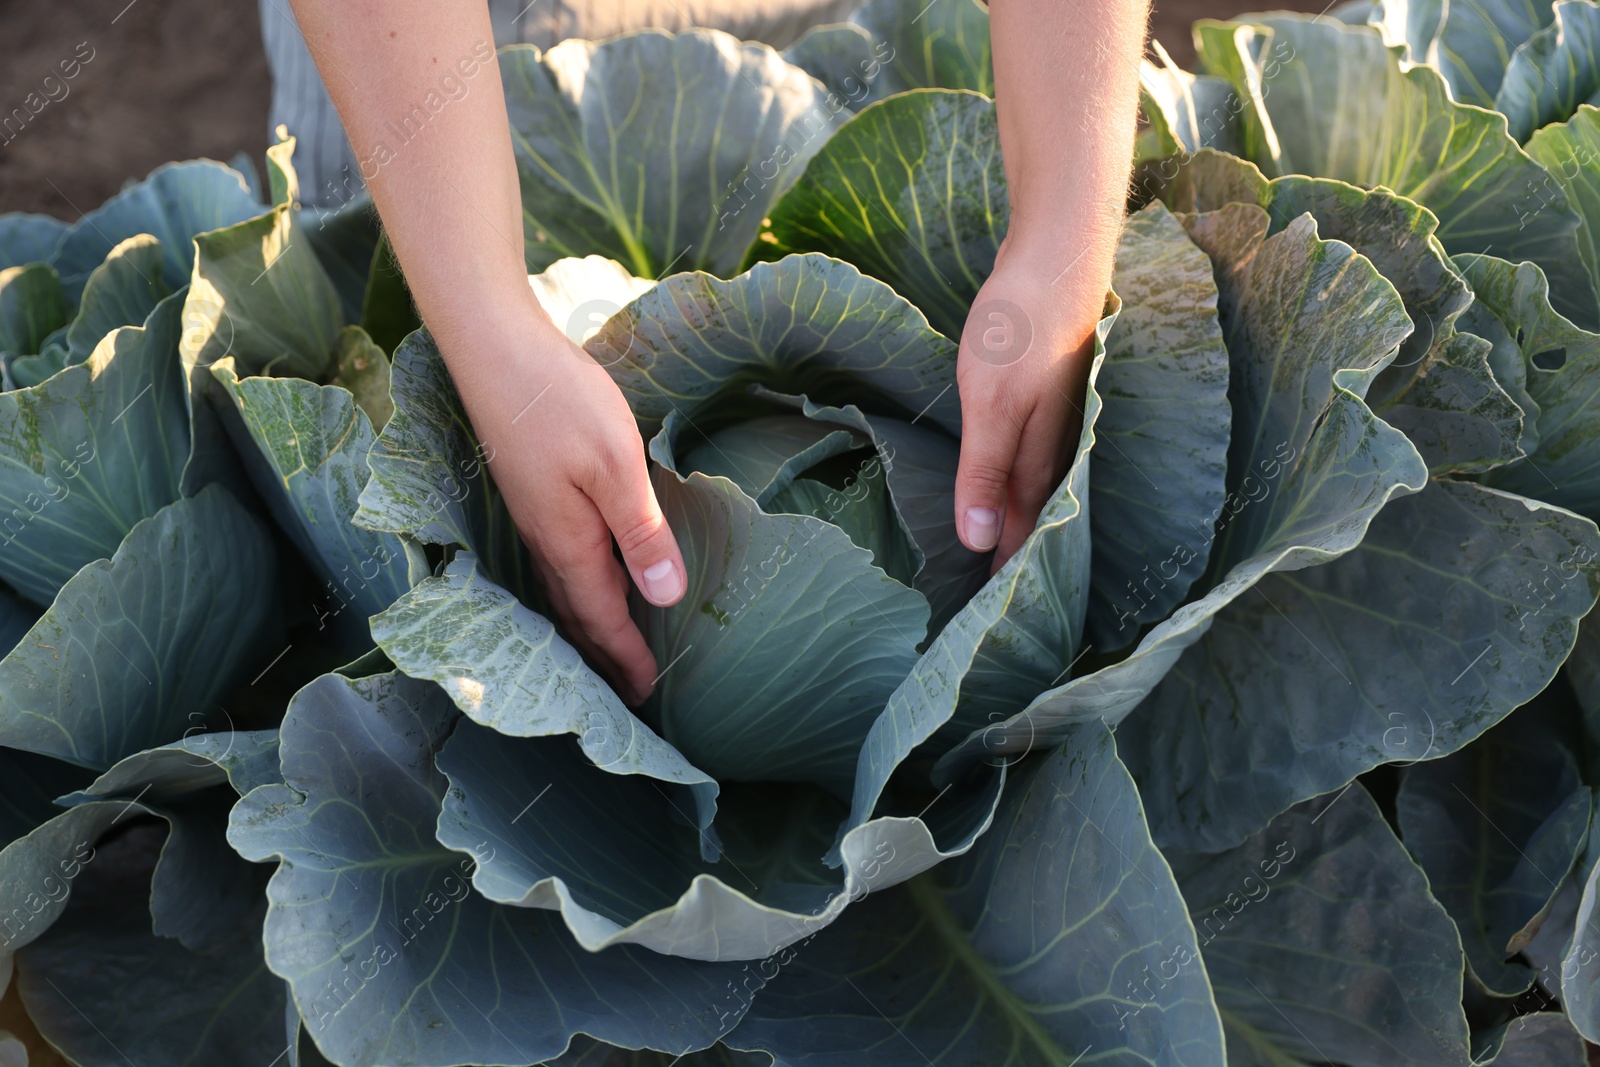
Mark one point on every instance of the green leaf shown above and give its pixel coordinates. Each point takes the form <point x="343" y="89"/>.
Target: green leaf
<point x="827" y="634"/>
<point x="31" y="307"/>
<point x="17" y="616"/>
<point x="361" y="367"/>
<point x="1538" y="1039"/>
<point x="1562" y="364"/>
<point x="1471" y="44"/>
<point x="1398" y="129"/>
<point x="306" y="446"/>
<point x="379" y="934"/>
<point x="131" y="645"/>
<point x="1165" y="361"/>
<point x="941" y="45"/>
<point x="430" y="478"/>
<point x="1040" y="945"/>
<point x="1406" y="648"/>
<point x="1496" y="827"/>
<point x="122" y="291"/>
<point x="763" y="455"/>
<point x="840" y="55"/>
<point x="387" y="311"/>
<point x="105" y="990"/>
<point x="805" y="324"/>
<point x="1308" y="324"/>
<point x="1017" y="634"/>
<point x="1186" y="112"/>
<point x="345" y="240"/>
<point x="507" y="668"/>
<point x="1553" y="71"/>
<point x="661" y="152"/>
<point x="912" y="192"/>
<point x="1324" y="945"/>
<point x="28" y="238"/>
<point x="174" y="204"/>
<point x="1567" y="151"/>
<point x="88" y="454"/>
<point x="259" y="295"/>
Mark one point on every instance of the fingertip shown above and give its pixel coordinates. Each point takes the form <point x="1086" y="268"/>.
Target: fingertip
<point x="663" y="583"/>
<point x="979" y="528"/>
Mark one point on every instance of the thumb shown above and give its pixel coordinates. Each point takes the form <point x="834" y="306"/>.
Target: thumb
<point x="627" y="503"/>
<point x="988" y="452"/>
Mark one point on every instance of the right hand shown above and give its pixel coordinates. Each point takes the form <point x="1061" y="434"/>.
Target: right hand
<point x="571" y="467"/>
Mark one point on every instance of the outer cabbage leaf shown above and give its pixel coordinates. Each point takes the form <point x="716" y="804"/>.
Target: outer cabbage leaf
<point x="1036" y="947"/>
<point x="911" y="191"/>
<point x="88" y="454"/>
<point x="122" y="291"/>
<point x="28" y="238"/>
<point x="1497" y="826"/>
<point x="1568" y="152"/>
<point x="131" y="646"/>
<point x="1469" y="43"/>
<point x="1398" y="129"/>
<point x="1308" y="324"/>
<point x="176" y="202"/>
<point x="505" y="984"/>
<point x="840" y="55"/>
<point x="306" y="446"/>
<point x="656" y="150"/>
<point x="507" y="668"/>
<point x="1406" y="648"/>
<point x="1323" y="944"/>
<point x="1186" y="112"/>
<point x="1562" y="367"/>
<point x="1538" y="1039"/>
<point x="31" y="307"/>
<point x="1553" y="71"/>
<point x="934" y="45"/>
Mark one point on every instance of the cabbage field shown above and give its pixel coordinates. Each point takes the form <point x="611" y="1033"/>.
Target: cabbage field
<point x="1277" y="743"/>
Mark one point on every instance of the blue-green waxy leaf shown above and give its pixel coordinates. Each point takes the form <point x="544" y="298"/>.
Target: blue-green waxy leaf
<point x="88" y="454"/>
<point x="346" y="241"/>
<point x="1017" y="635"/>
<point x="260" y="295"/>
<point x="31" y="307"/>
<point x="786" y="645"/>
<point x="840" y="55"/>
<point x="765" y="454"/>
<point x="507" y="668"/>
<point x="391" y="956"/>
<point x="1562" y="367"/>
<point x="1398" y="129"/>
<point x="430" y="479"/>
<point x="122" y="291"/>
<point x="28" y="238"/>
<point x="912" y="192"/>
<point x="1552" y="72"/>
<point x="242" y="759"/>
<point x="1042" y="944"/>
<point x="1406" y="648"/>
<point x="1568" y="152"/>
<point x="1185" y="112"/>
<point x="42" y="848"/>
<point x="388" y="313"/>
<point x="1324" y="945"/>
<point x="1157" y="483"/>
<point x="942" y="45"/>
<point x="1469" y="43"/>
<point x="17" y="616"/>
<point x="174" y="204"/>
<point x="306" y="446"/>
<point x="805" y="324"/>
<point x="1497" y="826"/>
<point x="106" y="990"/>
<point x="1538" y="1039"/>
<point x="658" y="151"/>
<point x="1308" y="325"/>
<point x="132" y="644"/>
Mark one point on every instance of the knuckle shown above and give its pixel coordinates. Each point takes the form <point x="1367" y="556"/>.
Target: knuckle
<point x="984" y="480"/>
<point x="638" y="532"/>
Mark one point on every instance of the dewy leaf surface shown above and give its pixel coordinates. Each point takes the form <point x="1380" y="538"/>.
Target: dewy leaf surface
<point x="389" y="953"/>
<point x="1323" y="943"/>
<point x="88" y="454"/>
<point x="662" y="152"/>
<point x="1038" y="946"/>
<point x="133" y="644"/>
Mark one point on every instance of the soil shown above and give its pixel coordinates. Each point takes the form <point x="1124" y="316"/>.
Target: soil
<point x="177" y="79"/>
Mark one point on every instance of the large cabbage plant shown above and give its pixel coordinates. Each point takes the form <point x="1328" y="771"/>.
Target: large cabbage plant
<point x="1273" y="744"/>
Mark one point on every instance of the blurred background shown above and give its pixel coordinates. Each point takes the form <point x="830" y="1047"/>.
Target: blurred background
<point x="176" y="79"/>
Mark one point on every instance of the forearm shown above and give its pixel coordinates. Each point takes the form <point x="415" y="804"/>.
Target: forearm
<point x="418" y="88"/>
<point x="1067" y="91"/>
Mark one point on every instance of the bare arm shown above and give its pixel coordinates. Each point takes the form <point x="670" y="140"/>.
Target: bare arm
<point x="562" y="443"/>
<point x="1066" y="90"/>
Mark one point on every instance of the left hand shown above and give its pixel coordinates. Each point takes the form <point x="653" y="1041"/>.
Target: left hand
<point x="1022" y="372"/>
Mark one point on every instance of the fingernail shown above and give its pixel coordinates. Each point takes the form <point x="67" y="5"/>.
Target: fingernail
<point x="663" y="583"/>
<point x="983" y="528"/>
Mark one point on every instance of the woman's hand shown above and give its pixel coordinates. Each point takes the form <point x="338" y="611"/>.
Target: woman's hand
<point x="567" y="457"/>
<point x="1022" y="372"/>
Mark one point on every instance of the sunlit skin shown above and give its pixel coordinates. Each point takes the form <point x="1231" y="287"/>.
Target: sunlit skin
<point x="572" y="466"/>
